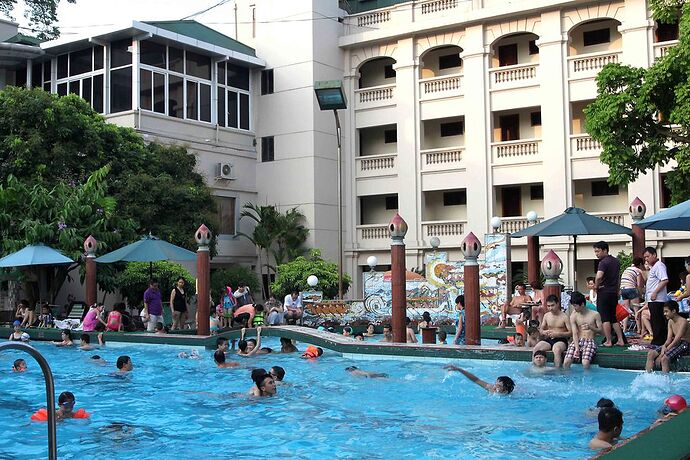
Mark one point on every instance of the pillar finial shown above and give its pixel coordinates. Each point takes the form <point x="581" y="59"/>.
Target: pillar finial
<point x="90" y="246"/>
<point x="637" y="209"/>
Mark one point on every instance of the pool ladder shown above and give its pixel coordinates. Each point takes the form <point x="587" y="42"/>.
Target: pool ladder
<point x="50" y="391"/>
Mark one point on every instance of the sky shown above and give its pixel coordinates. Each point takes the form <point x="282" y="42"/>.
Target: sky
<point x="88" y="16"/>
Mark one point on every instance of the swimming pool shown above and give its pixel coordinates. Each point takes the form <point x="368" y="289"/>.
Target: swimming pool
<point x="170" y="408"/>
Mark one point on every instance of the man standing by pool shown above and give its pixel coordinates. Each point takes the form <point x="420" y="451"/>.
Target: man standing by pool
<point x="585" y="324"/>
<point x="153" y="306"/>
<point x="655" y="295"/>
<point x="606" y="288"/>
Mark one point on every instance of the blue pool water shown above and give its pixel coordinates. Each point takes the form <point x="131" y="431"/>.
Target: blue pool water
<point x="173" y="408"/>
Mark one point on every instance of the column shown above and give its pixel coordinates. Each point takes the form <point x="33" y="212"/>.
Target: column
<point x="203" y="273"/>
<point x="398" y="229"/>
<point x="471" y="248"/>
<point x="90" y="246"/>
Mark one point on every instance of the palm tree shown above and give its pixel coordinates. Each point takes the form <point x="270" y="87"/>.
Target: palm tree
<point x="263" y="234"/>
<point x="289" y="237"/>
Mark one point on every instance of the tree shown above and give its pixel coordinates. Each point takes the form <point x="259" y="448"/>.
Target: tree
<point x="42" y="15"/>
<point x="264" y="218"/>
<point x="233" y="276"/>
<point x="294" y="274"/>
<point x="289" y="236"/>
<point x="641" y="117"/>
<point x="134" y="280"/>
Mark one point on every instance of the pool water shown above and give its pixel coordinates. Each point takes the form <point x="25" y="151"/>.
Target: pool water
<point x="170" y="407"/>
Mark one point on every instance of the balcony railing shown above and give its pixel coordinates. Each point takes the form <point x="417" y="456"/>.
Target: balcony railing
<point x="614" y="217"/>
<point x="448" y="231"/>
<point x="435" y="6"/>
<point x="371" y="19"/>
<point x="375" y="96"/>
<point x="589" y="65"/>
<point x="373" y="236"/>
<point x="514" y="76"/>
<point x="584" y="146"/>
<point x="439" y="87"/>
<point x="376" y="165"/>
<point x="520" y="151"/>
<point x="515" y="224"/>
<point x="444" y="159"/>
<point x="661" y="48"/>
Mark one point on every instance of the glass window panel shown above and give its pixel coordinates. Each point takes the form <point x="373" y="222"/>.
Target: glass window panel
<point x="98" y="93"/>
<point x="36" y="75"/>
<point x="152" y="53"/>
<point x="198" y="65"/>
<point x="221" y="73"/>
<point x="192" y="103"/>
<point x="175" y="96"/>
<point x="238" y="77"/>
<point x="121" y="90"/>
<point x="80" y="62"/>
<point x="244" y="111"/>
<point x="120" y="55"/>
<point x="232" y="109"/>
<point x="46" y="86"/>
<point x="74" y="87"/>
<point x="62" y="66"/>
<point x="86" y="89"/>
<point x="145" y="87"/>
<point x="97" y="57"/>
<point x="20" y="76"/>
<point x="175" y="61"/>
<point x="46" y="71"/>
<point x="62" y="89"/>
<point x="221" y="106"/>
<point x="159" y="92"/>
<point x="204" y="102"/>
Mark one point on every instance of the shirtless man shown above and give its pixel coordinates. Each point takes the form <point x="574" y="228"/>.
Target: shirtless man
<point x="584" y="323"/>
<point x="610" y="426"/>
<point x="677" y="341"/>
<point x="514" y="307"/>
<point x="555" y="330"/>
<point x="357" y="372"/>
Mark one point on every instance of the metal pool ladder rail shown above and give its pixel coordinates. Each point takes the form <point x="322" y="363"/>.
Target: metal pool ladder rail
<point x="50" y="391"/>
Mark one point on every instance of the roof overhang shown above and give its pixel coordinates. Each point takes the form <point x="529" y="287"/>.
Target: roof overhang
<point x="16" y="55"/>
<point x="141" y="30"/>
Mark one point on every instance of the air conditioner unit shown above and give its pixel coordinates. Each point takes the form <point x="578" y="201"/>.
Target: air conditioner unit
<point x="226" y="171"/>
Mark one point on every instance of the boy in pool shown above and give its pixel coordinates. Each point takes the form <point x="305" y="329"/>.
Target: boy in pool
<point x="222" y="344"/>
<point x="539" y="359"/>
<point x="410" y="336"/>
<point x="677" y="341"/>
<point x="354" y="370"/>
<point x="504" y="385"/>
<point x="312" y="352"/>
<point x="264" y="384"/>
<point x="601" y="404"/>
<point x="249" y="347"/>
<point x="124" y="364"/>
<point x="19" y="366"/>
<point x="278" y="373"/>
<point x="85" y="342"/>
<point x="359" y="336"/>
<point x="219" y="359"/>
<point x="610" y="427"/>
<point x="442" y="338"/>
<point x="387" y="334"/>
<point x="65" y="409"/>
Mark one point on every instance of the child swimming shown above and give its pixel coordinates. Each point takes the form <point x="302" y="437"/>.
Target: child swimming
<point x="504" y="385"/>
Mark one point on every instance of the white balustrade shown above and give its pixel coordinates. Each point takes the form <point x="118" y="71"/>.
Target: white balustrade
<point x="517" y="151"/>
<point x="443" y="159"/>
<point x="374" y="18"/>
<point x="583" y="145"/>
<point x="376" y="165"/>
<point x="444" y="86"/>
<point x="589" y="65"/>
<point x="375" y="96"/>
<point x="514" y="224"/>
<point x="613" y="217"/>
<point x="434" y="6"/>
<point x="373" y="236"/>
<point x="661" y="48"/>
<point x="443" y="228"/>
<point x="514" y="76"/>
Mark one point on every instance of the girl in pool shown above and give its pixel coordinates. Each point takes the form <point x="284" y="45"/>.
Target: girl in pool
<point x="16" y="335"/>
<point x="66" y="339"/>
<point x="370" y="331"/>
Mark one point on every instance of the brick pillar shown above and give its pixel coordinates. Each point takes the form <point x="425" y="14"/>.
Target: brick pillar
<point x="533" y="259"/>
<point x="551" y="267"/>
<point x="398" y="229"/>
<point x="90" y="246"/>
<point x="471" y="248"/>
<point x="203" y="274"/>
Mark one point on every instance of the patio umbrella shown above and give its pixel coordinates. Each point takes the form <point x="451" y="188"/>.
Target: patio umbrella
<point x="674" y="218"/>
<point x="573" y="222"/>
<point x="148" y="249"/>
<point x="35" y="254"/>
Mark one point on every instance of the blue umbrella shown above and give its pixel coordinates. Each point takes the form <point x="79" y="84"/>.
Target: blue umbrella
<point x="35" y="254"/>
<point x="674" y="218"/>
<point x="148" y="249"/>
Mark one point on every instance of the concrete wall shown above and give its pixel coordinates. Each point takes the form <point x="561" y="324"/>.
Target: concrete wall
<point x="372" y="141"/>
<point x="435" y="210"/>
<point x="431" y="134"/>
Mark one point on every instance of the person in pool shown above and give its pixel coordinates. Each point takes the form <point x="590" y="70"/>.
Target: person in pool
<point x="370" y="330"/>
<point x="410" y="336"/>
<point x="357" y="372"/>
<point x="65" y="409"/>
<point x="85" y="342"/>
<point x="387" y="334"/>
<point x="601" y="404"/>
<point x="219" y="359"/>
<point x="359" y="336"/>
<point x="539" y="359"/>
<point x="124" y="364"/>
<point x="610" y="428"/>
<point x="66" y="339"/>
<point x="504" y="385"/>
<point x="278" y="374"/>
<point x="19" y="365"/>
<point x="16" y="335"/>
<point x="249" y="347"/>
<point x="264" y="384"/>
<point x="312" y="352"/>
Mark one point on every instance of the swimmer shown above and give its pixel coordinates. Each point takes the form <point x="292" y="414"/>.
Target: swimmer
<point x="410" y="336"/>
<point x="219" y="358"/>
<point x="504" y="384"/>
<point x="442" y="338"/>
<point x="160" y="328"/>
<point x="278" y="373"/>
<point x="98" y="360"/>
<point x="387" y="334"/>
<point x="16" y="335"/>
<point x="601" y="404"/>
<point x="19" y="365"/>
<point x="312" y="352"/>
<point x="354" y="370"/>
<point x="519" y="340"/>
<point x="222" y="344"/>
<point x="370" y="330"/>
<point x="610" y="427"/>
<point x="359" y="336"/>
<point x="264" y="383"/>
<point x="249" y="347"/>
<point x="265" y="350"/>
<point x="193" y="355"/>
<point x="347" y="331"/>
<point x="672" y="406"/>
<point x="85" y="342"/>
<point x="539" y="359"/>
<point x="65" y="409"/>
<point x="124" y="364"/>
<point x="66" y="336"/>
<point x="286" y="346"/>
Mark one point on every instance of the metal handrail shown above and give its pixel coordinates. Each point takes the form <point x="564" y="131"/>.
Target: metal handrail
<point x="50" y="391"/>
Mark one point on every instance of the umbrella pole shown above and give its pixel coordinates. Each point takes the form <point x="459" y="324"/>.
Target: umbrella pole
<point x="575" y="262"/>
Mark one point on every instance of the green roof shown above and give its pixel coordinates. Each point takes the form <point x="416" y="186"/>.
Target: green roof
<point x="360" y="6"/>
<point x="22" y="39"/>
<point x="203" y="33"/>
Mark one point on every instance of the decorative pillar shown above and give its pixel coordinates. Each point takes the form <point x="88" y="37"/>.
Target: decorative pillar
<point x="398" y="229"/>
<point x="637" y="211"/>
<point x="532" y="259"/>
<point x="90" y="246"/>
<point x="471" y="248"/>
<point x="203" y="280"/>
<point x="551" y="267"/>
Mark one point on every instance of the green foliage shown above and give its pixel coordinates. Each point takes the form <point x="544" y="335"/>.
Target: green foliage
<point x="42" y="15"/>
<point x="642" y="116"/>
<point x="294" y="274"/>
<point x="625" y="259"/>
<point x="134" y="280"/>
<point x="221" y="277"/>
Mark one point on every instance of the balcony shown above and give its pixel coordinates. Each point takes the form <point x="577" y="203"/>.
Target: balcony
<point x="584" y="146"/>
<point x="516" y="152"/>
<point x="515" y="224"/>
<point x="376" y="165"/>
<point x="585" y="66"/>
<point x="429" y="8"/>
<point x="443" y="159"/>
<point x="661" y="48"/>
<point x="375" y="97"/>
<point x="448" y="231"/>
<point x="513" y="76"/>
<point x="440" y="87"/>
<point x="619" y="218"/>
<point x="373" y="236"/>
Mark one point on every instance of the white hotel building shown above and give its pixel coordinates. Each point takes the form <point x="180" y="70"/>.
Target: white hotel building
<point x="458" y="110"/>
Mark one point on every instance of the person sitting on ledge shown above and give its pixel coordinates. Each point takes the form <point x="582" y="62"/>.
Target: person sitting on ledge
<point x="513" y="309"/>
<point x="504" y="385"/>
<point x="410" y="336"/>
<point x="677" y="341"/>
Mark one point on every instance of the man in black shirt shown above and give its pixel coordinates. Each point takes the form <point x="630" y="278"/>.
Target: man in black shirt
<point x="606" y="287"/>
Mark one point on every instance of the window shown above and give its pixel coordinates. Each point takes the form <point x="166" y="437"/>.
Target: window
<point x="226" y="215"/>
<point x="392" y="202"/>
<point x="666" y="32"/>
<point x="233" y="96"/>
<point x="664" y="192"/>
<point x="388" y="71"/>
<point x="152" y="54"/>
<point x="533" y="48"/>
<point x="121" y="89"/>
<point x="510" y="127"/>
<point x="40" y="75"/>
<point x="455" y="198"/>
<point x="238" y="77"/>
<point x="81" y="73"/>
<point x="596" y="37"/>
<point x="507" y="55"/>
<point x="267" y="149"/>
<point x="535" y="118"/>
<point x="175" y="96"/>
<point x="390" y="136"/>
<point x="267" y="81"/>
<point x="536" y="192"/>
<point x="449" y="61"/>
<point x="80" y="62"/>
<point x="511" y="201"/>
<point x="120" y="54"/>
<point x="602" y="188"/>
<point x="456" y="128"/>
<point x="175" y="60"/>
<point x="198" y="65"/>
